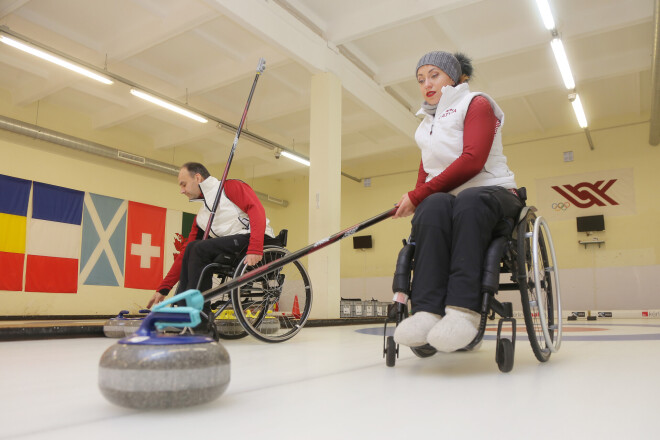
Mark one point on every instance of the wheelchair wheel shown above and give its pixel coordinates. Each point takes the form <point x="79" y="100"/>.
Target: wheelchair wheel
<point x="504" y="356"/>
<point x="274" y="307"/>
<point x="390" y="351"/>
<point x="539" y="286"/>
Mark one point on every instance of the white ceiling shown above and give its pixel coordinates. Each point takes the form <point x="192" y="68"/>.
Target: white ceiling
<point x="205" y="52"/>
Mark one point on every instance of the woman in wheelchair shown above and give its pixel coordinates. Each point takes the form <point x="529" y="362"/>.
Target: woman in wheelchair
<point x="464" y="192"/>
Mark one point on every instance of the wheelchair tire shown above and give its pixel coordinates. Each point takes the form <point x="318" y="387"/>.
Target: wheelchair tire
<point x="276" y="306"/>
<point x="504" y="356"/>
<point x="390" y="351"/>
<point x="424" y="351"/>
<point x="537" y="288"/>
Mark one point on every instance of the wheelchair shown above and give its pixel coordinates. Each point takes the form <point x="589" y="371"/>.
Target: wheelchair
<point x="526" y="252"/>
<point x="272" y="308"/>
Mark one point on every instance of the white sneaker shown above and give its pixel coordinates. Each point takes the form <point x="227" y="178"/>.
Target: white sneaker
<point x="456" y="330"/>
<point x="412" y="331"/>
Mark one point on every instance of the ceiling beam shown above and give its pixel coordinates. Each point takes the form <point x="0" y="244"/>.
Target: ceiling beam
<point x="282" y="30"/>
<point x="211" y="78"/>
<point x="389" y="14"/>
<point x="124" y="46"/>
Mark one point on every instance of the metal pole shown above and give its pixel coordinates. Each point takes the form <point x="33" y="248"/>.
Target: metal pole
<point x="260" y="69"/>
<point x="224" y="288"/>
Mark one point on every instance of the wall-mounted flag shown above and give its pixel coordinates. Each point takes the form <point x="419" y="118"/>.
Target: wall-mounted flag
<point x="103" y="241"/>
<point x="145" y="238"/>
<point x="14" y="198"/>
<point x="53" y="244"/>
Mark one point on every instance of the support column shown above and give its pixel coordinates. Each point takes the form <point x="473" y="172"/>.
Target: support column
<point x="325" y="192"/>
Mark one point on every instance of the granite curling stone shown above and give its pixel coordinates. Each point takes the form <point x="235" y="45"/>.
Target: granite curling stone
<point x="114" y="327"/>
<point x="269" y="325"/>
<point x="133" y="324"/>
<point x="228" y="325"/>
<point x="158" y="371"/>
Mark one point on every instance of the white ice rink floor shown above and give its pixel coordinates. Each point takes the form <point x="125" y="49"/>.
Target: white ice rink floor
<point x="332" y="383"/>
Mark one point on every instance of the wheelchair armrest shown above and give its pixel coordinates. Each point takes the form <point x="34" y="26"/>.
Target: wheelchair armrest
<point x="279" y="240"/>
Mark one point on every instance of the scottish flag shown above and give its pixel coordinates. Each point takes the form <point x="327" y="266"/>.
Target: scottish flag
<point x="103" y="241"/>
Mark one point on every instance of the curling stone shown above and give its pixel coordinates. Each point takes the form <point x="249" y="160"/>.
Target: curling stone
<point x="132" y="324"/>
<point x="114" y="327"/>
<point x="270" y="324"/>
<point x="151" y="370"/>
<point x="228" y="325"/>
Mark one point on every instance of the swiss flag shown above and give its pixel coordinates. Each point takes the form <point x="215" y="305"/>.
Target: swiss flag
<point x="145" y="239"/>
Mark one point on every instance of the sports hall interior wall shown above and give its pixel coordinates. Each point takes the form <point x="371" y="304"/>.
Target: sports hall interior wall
<point x="622" y="274"/>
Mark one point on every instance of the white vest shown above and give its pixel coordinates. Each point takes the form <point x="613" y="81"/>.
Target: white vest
<point x="229" y="219"/>
<point x="440" y="138"/>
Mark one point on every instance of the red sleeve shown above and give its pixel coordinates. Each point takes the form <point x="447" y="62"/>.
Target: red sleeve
<point x="174" y="273"/>
<point x="245" y="198"/>
<point x="421" y="175"/>
<point x="479" y="130"/>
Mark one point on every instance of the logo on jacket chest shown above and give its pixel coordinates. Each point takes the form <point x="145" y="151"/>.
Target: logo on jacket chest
<point x="448" y="112"/>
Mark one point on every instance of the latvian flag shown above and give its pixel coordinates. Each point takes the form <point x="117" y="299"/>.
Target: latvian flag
<point x="54" y="239"/>
<point x="14" y="198"/>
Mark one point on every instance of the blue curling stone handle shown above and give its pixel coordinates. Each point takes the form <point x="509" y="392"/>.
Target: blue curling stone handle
<point x="164" y="315"/>
<point x="146" y="334"/>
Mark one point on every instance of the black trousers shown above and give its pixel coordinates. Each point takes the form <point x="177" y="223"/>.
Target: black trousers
<point x="199" y="253"/>
<point x="451" y="235"/>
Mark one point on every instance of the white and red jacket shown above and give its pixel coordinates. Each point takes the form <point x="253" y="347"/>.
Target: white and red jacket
<point x="239" y="212"/>
<point x="461" y="145"/>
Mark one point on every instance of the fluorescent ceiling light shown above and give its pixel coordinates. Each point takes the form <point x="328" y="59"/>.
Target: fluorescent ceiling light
<point x="562" y="62"/>
<point x="579" y="111"/>
<point x="295" y="157"/>
<point x="168" y="105"/>
<point x="54" y="59"/>
<point x="546" y="14"/>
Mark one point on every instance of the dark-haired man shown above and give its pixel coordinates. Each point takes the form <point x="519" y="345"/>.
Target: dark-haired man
<point x="240" y="222"/>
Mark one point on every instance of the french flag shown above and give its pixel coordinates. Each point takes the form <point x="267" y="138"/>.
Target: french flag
<point x="54" y="238"/>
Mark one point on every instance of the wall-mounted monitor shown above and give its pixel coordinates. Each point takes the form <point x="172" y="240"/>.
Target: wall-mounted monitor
<point x="362" y="242"/>
<point x="591" y="223"/>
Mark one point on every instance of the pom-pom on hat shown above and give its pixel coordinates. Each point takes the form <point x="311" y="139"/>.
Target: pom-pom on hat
<point x="443" y="60"/>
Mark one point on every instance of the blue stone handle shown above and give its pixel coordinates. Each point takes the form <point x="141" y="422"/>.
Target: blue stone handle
<point x="164" y="315"/>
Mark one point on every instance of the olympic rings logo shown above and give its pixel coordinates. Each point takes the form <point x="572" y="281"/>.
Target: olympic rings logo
<point x="561" y="206"/>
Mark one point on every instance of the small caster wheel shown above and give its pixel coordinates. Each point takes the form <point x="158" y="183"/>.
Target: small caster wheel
<point x="504" y="357"/>
<point x="390" y="351"/>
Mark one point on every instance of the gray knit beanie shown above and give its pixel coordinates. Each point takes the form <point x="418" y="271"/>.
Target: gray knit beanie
<point x="445" y="61"/>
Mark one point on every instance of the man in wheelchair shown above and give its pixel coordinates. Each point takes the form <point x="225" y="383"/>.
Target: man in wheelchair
<point x="240" y="222"/>
<point x="464" y="193"/>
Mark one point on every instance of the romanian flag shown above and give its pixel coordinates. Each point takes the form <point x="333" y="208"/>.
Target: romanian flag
<point x="54" y="239"/>
<point x="14" y="198"/>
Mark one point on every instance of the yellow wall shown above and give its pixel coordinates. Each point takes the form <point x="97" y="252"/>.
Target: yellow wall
<point x="27" y="158"/>
<point x="631" y="241"/>
<point x="634" y="238"/>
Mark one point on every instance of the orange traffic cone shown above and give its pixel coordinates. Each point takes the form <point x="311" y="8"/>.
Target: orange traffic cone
<point x="296" y="308"/>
